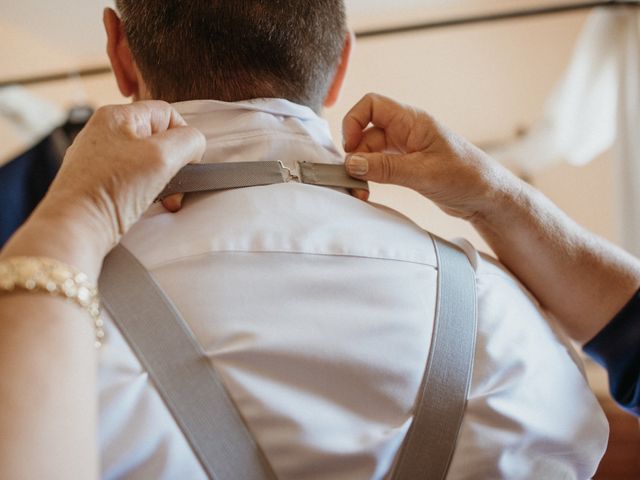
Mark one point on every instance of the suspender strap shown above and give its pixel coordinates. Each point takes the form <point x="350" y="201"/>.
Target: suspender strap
<point x="431" y="440"/>
<point x="328" y="176"/>
<point x="223" y="176"/>
<point x="198" y="400"/>
<point x="180" y="371"/>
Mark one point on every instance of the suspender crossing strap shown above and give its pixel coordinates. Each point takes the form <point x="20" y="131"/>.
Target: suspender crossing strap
<point x="432" y="438"/>
<point x="180" y="371"/>
<point x="223" y="176"/>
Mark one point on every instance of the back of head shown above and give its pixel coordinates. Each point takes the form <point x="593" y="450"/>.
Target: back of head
<point x="233" y="50"/>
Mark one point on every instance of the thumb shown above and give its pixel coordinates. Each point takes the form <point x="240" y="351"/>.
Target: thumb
<point x="380" y="168"/>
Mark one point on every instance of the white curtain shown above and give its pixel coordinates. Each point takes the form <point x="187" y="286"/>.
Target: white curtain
<point x="627" y="147"/>
<point x="594" y="108"/>
<point x="25" y="120"/>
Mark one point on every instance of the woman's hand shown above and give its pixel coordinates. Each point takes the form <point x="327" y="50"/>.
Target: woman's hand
<point x="111" y="174"/>
<point x="401" y="145"/>
<point x="580" y="278"/>
<point x="116" y="167"/>
<point x="122" y="160"/>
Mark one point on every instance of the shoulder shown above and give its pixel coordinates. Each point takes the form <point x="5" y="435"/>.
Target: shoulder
<point x="528" y="393"/>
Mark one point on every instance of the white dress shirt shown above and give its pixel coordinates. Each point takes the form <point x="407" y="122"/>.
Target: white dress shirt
<point x="317" y="309"/>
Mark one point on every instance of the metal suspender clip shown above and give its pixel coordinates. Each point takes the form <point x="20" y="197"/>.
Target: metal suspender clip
<point x="290" y="175"/>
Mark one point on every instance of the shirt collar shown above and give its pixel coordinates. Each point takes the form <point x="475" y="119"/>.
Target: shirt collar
<point x="261" y="128"/>
<point x="273" y="106"/>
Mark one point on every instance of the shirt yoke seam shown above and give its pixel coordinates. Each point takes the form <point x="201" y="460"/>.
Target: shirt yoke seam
<point x="276" y="252"/>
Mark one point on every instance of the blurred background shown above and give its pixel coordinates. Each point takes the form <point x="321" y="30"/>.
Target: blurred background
<point x="554" y="96"/>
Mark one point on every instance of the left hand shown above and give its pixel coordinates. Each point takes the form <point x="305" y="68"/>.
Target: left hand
<point x="389" y="142"/>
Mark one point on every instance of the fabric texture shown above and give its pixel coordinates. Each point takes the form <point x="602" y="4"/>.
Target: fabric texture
<point x="617" y="348"/>
<point x="316" y="310"/>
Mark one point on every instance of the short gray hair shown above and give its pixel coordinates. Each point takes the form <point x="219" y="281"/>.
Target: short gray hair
<point x="233" y="50"/>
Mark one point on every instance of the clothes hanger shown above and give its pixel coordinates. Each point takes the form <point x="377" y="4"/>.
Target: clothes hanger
<point x="81" y="109"/>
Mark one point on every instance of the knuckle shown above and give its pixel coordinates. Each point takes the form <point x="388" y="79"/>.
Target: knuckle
<point x="160" y="104"/>
<point x="387" y="168"/>
<point x="426" y="119"/>
<point x="189" y="136"/>
<point x="370" y="97"/>
<point x="155" y="153"/>
<point x="426" y="115"/>
<point x="104" y="112"/>
<point x="193" y="133"/>
<point x="113" y="113"/>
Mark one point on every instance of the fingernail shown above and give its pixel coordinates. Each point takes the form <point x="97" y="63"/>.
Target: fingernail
<point x="357" y="166"/>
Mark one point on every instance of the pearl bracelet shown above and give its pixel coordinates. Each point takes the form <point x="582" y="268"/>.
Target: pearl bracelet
<point x="39" y="274"/>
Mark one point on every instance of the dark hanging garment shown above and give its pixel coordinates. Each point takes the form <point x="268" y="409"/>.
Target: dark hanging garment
<point x="23" y="183"/>
<point x="25" y="180"/>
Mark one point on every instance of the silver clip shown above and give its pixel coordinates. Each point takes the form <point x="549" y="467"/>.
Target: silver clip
<point x="291" y="176"/>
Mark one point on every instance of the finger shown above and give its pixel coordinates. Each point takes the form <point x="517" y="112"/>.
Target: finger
<point x="161" y="116"/>
<point x="384" y="168"/>
<point x="373" y="108"/>
<point x="173" y="203"/>
<point x="373" y="140"/>
<point x="164" y="117"/>
<point x="355" y="122"/>
<point x="150" y="117"/>
<point x="360" y="194"/>
<point x="180" y="146"/>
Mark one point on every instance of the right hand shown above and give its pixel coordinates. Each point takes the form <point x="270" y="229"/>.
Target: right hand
<point x="114" y="170"/>
<point x="393" y="143"/>
<point x="120" y="162"/>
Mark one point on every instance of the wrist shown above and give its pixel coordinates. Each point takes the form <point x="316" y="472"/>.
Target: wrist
<point x="67" y="233"/>
<point x="506" y="199"/>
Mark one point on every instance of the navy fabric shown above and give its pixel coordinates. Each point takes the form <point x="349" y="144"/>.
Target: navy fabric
<point x="617" y="348"/>
<point x="23" y="183"/>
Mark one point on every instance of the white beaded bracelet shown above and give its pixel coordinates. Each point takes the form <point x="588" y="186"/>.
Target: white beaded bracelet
<point x="40" y="274"/>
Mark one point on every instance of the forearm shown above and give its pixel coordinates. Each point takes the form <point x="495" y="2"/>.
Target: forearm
<point x="48" y="362"/>
<point x="48" y="389"/>
<point x="48" y="404"/>
<point x="580" y="278"/>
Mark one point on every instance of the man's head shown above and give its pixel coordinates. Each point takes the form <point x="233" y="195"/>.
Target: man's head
<point x="229" y="50"/>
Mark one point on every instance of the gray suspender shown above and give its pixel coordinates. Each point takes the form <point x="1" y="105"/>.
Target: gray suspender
<point x="181" y="372"/>
<point x="222" y="176"/>
<point x="201" y="405"/>
<point x="429" y="445"/>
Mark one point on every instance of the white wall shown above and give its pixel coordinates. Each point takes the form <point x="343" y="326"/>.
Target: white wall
<point x="484" y="81"/>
